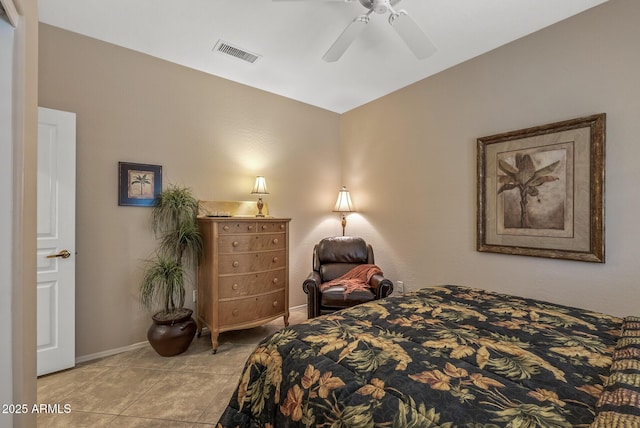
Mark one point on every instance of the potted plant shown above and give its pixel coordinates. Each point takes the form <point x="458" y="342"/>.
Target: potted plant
<point x="174" y="222"/>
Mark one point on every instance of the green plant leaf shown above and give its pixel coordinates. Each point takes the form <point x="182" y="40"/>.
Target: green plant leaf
<point x="174" y="221"/>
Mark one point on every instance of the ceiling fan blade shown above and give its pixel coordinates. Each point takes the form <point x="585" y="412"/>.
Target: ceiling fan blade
<point x="346" y="38"/>
<point x="330" y="1"/>
<point x="421" y="46"/>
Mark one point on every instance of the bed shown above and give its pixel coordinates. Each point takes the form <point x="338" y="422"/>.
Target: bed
<point x="446" y="356"/>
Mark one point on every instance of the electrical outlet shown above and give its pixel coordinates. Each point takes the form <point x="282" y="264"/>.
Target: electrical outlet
<point x="195" y="295"/>
<point x="400" y="287"/>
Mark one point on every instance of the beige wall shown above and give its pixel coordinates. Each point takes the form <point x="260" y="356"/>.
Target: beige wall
<point x="208" y="133"/>
<point x="408" y="158"/>
<point x="418" y="190"/>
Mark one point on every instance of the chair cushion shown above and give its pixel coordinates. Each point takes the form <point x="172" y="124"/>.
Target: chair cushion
<point x="334" y="297"/>
<point x="342" y="249"/>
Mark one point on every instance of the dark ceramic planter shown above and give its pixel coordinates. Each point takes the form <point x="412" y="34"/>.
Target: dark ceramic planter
<point x="169" y="337"/>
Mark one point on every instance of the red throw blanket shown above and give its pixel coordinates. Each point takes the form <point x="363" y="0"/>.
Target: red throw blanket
<point x="357" y="279"/>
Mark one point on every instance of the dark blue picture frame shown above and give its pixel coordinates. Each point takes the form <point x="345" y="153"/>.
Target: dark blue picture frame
<point x="138" y="184"/>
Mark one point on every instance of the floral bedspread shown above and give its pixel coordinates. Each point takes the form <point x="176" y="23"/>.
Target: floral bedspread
<point x="446" y="356"/>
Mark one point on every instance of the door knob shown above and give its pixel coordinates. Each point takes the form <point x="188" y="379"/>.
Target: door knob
<point x="65" y="254"/>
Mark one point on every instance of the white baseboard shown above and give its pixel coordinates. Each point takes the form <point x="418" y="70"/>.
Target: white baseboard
<point x="110" y="352"/>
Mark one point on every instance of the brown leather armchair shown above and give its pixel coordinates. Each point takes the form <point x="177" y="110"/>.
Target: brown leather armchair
<point x="332" y="258"/>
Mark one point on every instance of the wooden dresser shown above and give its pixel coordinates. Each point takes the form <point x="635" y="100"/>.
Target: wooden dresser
<point x="243" y="279"/>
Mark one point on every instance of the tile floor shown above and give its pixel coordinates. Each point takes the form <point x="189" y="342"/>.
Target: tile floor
<point x="139" y="388"/>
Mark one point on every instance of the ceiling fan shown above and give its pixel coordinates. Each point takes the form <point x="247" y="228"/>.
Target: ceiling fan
<point x="407" y="29"/>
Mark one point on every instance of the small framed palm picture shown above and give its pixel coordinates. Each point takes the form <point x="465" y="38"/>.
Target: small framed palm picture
<point x="138" y="184"/>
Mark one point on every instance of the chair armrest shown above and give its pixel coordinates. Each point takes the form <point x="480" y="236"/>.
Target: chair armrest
<point x="381" y="286"/>
<point x="311" y="286"/>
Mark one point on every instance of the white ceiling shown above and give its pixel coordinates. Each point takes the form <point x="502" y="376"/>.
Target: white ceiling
<point x="292" y="37"/>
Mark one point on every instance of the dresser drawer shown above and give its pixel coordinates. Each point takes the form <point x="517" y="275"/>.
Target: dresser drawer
<point x="243" y="310"/>
<point x="272" y="226"/>
<point x="236" y="227"/>
<point x="255" y="262"/>
<point x="250" y="284"/>
<point x="257" y="242"/>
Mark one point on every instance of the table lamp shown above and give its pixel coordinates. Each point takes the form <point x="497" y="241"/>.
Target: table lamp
<point x="260" y="188"/>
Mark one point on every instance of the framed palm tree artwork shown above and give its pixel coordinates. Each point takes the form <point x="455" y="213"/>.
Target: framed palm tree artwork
<point x="541" y="191"/>
<point x="138" y="184"/>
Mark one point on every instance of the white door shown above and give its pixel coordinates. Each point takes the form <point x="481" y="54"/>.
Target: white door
<point x="56" y="240"/>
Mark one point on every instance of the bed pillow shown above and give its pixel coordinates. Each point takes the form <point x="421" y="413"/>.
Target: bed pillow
<point x="619" y="405"/>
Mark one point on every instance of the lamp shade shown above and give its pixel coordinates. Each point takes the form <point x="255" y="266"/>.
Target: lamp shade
<point x="344" y="204"/>
<point x="260" y="186"/>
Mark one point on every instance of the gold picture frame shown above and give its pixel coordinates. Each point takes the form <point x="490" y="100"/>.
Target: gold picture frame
<point x="541" y="191"/>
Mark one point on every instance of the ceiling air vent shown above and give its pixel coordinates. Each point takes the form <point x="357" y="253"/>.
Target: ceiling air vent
<point x="235" y="51"/>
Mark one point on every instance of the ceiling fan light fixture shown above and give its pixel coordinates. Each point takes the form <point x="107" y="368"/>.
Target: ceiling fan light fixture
<point x="381" y="6"/>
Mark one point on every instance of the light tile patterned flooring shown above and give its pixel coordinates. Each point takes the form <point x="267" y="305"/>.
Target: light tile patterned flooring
<point x="141" y="389"/>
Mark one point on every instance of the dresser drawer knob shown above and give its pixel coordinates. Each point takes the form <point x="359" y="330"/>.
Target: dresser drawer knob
<point x="275" y="303"/>
<point x="235" y="243"/>
<point x="250" y="227"/>
<point x="275" y="280"/>
<point x="282" y="226"/>
<point x="236" y="263"/>
<point x="275" y="259"/>
<point x="264" y="227"/>
<point x="235" y="312"/>
<point x="225" y="228"/>
<point x="235" y="286"/>
<point x="275" y="240"/>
